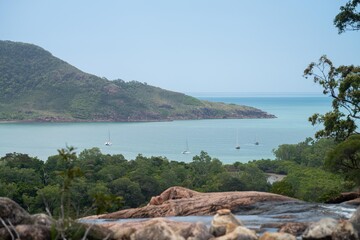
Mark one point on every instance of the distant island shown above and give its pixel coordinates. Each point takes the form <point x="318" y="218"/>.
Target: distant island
<point x="36" y="86"/>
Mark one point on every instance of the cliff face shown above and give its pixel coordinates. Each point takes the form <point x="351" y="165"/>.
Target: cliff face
<point x="36" y="86"/>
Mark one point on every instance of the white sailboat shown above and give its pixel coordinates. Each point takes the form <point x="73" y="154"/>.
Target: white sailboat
<point x="108" y="142"/>
<point x="186" y="151"/>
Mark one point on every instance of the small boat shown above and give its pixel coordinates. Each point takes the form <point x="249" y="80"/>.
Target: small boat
<point x="237" y="141"/>
<point x="186" y="151"/>
<point x="108" y="142"/>
<point x="256" y="142"/>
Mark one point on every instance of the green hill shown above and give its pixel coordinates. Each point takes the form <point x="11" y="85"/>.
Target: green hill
<point x="36" y="86"/>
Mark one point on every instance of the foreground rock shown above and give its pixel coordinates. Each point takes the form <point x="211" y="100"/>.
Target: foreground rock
<point x="224" y="226"/>
<point x="355" y="220"/>
<point x="222" y="221"/>
<point x="277" y="236"/>
<point x="179" y="201"/>
<point x="16" y="223"/>
<point x="12" y="212"/>
<point x="159" y="228"/>
<point x="347" y="197"/>
<point x="332" y="229"/>
<point x="293" y="228"/>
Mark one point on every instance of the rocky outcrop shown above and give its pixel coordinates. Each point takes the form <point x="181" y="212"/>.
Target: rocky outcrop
<point x="347" y="197"/>
<point x="331" y="229"/>
<point x="226" y="226"/>
<point x="355" y="202"/>
<point x="10" y="211"/>
<point x="179" y="201"/>
<point x="159" y="228"/>
<point x="16" y="223"/>
<point x="223" y="221"/>
<point x="277" y="236"/>
<point x="355" y="220"/>
<point x="293" y="228"/>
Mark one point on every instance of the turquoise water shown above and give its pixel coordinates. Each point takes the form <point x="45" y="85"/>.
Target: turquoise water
<point x="168" y="139"/>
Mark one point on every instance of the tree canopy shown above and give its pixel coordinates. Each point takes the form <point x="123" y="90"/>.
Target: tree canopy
<point x="345" y="159"/>
<point x="349" y="17"/>
<point x="343" y="85"/>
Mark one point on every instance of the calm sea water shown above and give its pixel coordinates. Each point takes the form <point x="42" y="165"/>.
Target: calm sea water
<point x="168" y="139"/>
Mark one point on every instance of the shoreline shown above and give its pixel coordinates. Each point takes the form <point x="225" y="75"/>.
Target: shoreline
<point x="131" y="121"/>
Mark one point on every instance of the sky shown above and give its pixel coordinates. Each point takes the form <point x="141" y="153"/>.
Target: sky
<point x="188" y="46"/>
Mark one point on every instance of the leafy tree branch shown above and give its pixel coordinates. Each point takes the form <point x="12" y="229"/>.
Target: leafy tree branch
<point x="343" y="85"/>
<point x="349" y="17"/>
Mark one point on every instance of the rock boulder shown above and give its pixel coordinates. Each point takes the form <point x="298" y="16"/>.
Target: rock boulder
<point x="355" y="220"/>
<point x="179" y="201"/>
<point x="328" y="228"/>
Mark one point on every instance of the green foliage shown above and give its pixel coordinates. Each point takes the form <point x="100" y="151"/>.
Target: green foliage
<point x="308" y="153"/>
<point x="310" y="184"/>
<point x="93" y="182"/>
<point x="203" y="169"/>
<point x="19" y="181"/>
<point x="68" y="175"/>
<point x="284" y="188"/>
<point x="102" y="200"/>
<point x="274" y="166"/>
<point x="342" y="84"/>
<point x="249" y="175"/>
<point x="231" y="182"/>
<point x="47" y="200"/>
<point x="22" y="161"/>
<point x="129" y="190"/>
<point x="345" y="159"/>
<point x="349" y="17"/>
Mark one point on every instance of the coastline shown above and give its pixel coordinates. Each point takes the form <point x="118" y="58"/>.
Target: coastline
<point x="269" y="116"/>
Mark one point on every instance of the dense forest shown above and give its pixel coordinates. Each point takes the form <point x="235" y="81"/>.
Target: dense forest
<point x="36" y="86"/>
<point x="92" y="182"/>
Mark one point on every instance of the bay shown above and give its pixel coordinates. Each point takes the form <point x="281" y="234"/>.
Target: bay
<point x="217" y="137"/>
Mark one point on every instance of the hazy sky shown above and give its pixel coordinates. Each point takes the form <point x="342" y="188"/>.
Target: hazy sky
<point x="187" y="45"/>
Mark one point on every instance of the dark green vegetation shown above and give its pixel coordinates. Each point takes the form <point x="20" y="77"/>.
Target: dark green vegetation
<point x="311" y="175"/>
<point x="349" y="17"/>
<point x="92" y="182"/>
<point x="343" y="85"/>
<point x="36" y="86"/>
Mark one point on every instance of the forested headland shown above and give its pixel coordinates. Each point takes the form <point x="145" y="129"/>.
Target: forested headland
<point x="36" y="86"/>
